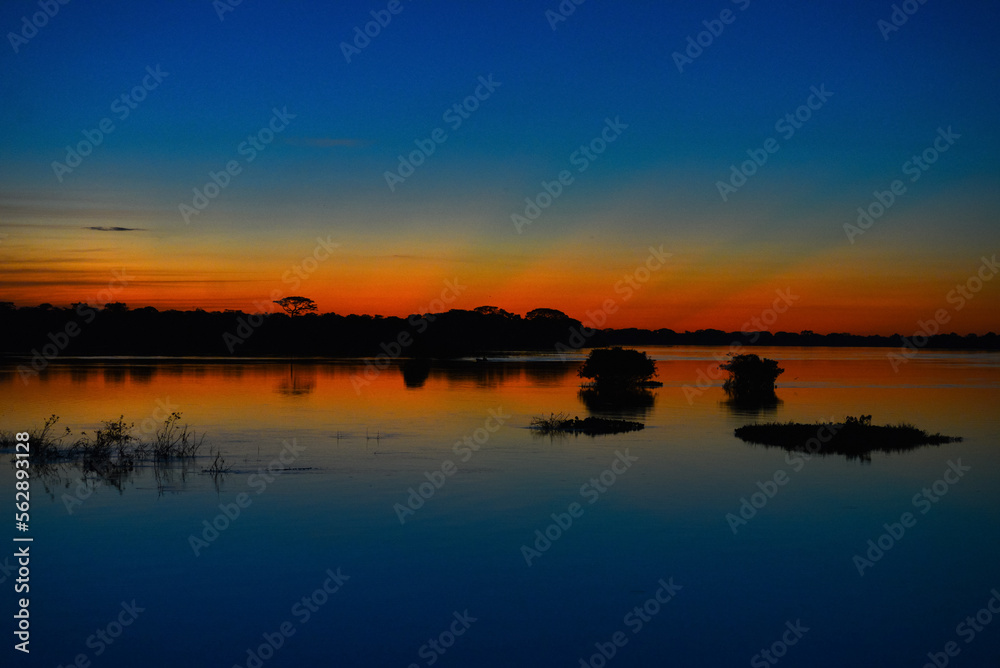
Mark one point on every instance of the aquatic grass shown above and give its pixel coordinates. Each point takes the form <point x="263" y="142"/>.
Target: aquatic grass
<point x="549" y="425"/>
<point x="174" y="440"/>
<point x="560" y="423"/>
<point x="44" y="446"/>
<point x="218" y="466"/>
<point x="112" y="451"/>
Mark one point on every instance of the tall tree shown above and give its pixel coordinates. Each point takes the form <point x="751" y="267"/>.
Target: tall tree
<point x="296" y="305"/>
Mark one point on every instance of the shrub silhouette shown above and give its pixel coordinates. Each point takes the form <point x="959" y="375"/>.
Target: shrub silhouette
<point x="618" y="367"/>
<point x="863" y="421"/>
<point x="750" y="376"/>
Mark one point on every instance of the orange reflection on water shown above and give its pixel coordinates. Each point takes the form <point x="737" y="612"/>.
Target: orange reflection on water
<point x="934" y="391"/>
<point x="335" y="396"/>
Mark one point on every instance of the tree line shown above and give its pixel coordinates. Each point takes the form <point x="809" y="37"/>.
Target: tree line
<point x="115" y="329"/>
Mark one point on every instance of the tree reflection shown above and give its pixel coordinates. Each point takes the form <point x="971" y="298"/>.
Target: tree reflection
<point x="633" y="402"/>
<point x="415" y="372"/>
<point x="299" y="381"/>
<point x="753" y="406"/>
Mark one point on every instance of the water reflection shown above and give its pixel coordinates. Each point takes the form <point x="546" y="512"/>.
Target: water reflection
<point x="488" y="374"/>
<point x="632" y="403"/>
<point x="234" y="371"/>
<point x="114" y="375"/>
<point x="301" y="380"/>
<point x="753" y="407"/>
<point x="691" y="471"/>
<point x="142" y="373"/>
<point x="484" y="374"/>
<point x="549" y="373"/>
<point x="79" y="375"/>
<point x="71" y="482"/>
<point x="415" y="372"/>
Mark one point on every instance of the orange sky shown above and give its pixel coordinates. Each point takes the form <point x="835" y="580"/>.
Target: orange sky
<point x="608" y="152"/>
<point x="845" y="288"/>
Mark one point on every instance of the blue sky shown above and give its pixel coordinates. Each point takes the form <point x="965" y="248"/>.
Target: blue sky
<point x="325" y="171"/>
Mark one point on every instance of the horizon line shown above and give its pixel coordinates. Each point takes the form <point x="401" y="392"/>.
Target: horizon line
<point x="740" y="332"/>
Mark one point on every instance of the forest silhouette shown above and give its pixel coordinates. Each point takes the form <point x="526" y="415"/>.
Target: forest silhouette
<point x="45" y="332"/>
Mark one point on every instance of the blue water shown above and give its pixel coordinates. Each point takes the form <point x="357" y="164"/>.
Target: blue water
<point x="455" y="572"/>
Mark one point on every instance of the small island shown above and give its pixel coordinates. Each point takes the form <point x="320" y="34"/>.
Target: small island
<point x="856" y="437"/>
<point x="619" y="369"/>
<point x="620" y="378"/>
<point x="751" y="378"/>
<point x="589" y="426"/>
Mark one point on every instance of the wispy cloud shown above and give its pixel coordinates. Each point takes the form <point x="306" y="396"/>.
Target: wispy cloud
<point x="324" y="142"/>
<point x="115" y="229"/>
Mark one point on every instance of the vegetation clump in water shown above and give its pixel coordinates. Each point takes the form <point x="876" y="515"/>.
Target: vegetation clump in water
<point x="619" y="369"/>
<point x="590" y="426"/>
<point x="112" y="451"/>
<point x="751" y="378"/>
<point x="856" y="437"/>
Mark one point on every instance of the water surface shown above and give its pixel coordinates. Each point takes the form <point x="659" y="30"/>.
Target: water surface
<point x="357" y="449"/>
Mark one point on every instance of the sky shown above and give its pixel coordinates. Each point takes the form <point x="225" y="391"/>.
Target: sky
<point x="631" y="139"/>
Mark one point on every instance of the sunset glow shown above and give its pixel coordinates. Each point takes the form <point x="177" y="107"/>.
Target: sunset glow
<point x="216" y="190"/>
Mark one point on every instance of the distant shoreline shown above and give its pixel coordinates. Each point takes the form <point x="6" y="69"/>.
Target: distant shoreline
<point x="500" y="357"/>
<point x="45" y="333"/>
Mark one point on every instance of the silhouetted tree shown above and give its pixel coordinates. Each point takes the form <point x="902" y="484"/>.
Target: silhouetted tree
<point x="296" y="305"/>
<point x="494" y="310"/>
<point x="618" y="367"/>
<point x="750" y="376"/>
<point x="545" y="313"/>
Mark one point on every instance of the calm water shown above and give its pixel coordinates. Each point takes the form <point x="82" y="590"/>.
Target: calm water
<point x="454" y="570"/>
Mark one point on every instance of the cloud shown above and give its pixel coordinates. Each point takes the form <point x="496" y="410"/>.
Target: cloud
<point x="324" y="142"/>
<point x="115" y="229"/>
